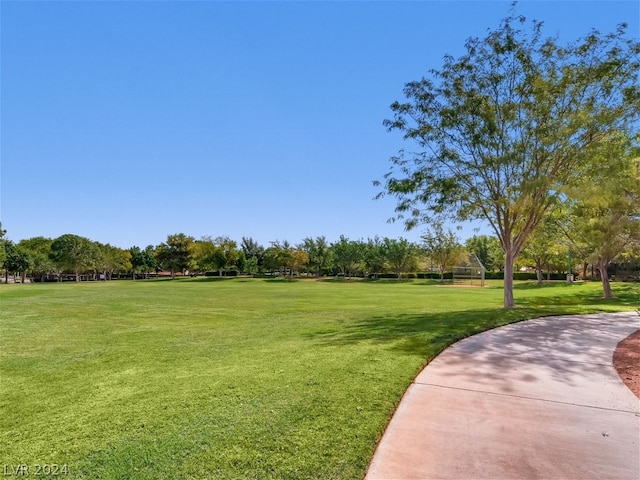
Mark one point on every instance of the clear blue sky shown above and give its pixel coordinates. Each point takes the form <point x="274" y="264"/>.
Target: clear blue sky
<point x="127" y="121"/>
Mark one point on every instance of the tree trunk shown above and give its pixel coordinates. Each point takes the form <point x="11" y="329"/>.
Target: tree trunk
<point x="548" y="272"/>
<point x="606" y="286"/>
<point x="539" y="273"/>
<point x="508" y="279"/>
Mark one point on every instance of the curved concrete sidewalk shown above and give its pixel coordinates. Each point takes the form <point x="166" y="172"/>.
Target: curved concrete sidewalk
<point x="533" y="400"/>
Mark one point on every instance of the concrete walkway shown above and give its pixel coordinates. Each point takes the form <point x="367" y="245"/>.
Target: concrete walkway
<point x="533" y="400"/>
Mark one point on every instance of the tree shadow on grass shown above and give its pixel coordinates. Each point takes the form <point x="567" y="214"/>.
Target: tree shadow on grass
<point x="340" y="279"/>
<point x="539" y="286"/>
<point x="429" y="282"/>
<point x="186" y="279"/>
<point x="426" y="334"/>
<point x="625" y="295"/>
<point x="560" y="348"/>
<point x="205" y="279"/>
<point x="423" y="334"/>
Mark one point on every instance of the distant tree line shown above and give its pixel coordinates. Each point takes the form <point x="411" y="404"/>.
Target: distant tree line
<point x="73" y="257"/>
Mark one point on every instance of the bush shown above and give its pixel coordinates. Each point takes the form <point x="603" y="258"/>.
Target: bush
<point x="226" y="273"/>
<point x="434" y="275"/>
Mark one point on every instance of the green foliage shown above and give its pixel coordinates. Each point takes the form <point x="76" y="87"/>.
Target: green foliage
<point x="348" y="255"/>
<point x="143" y="261"/>
<point x="442" y="248"/>
<point x="488" y="251"/>
<point x="17" y="259"/>
<point x="3" y="232"/>
<point x="603" y="219"/>
<point x="74" y="253"/>
<point x="504" y="128"/>
<point x="175" y="253"/>
<point x="318" y="252"/>
<point x="400" y="255"/>
<point x="284" y="259"/>
<point x="253" y="254"/>
<point x="113" y="260"/>
<point x="202" y="255"/>
<point x="543" y="246"/>
<point x="375" y="258"/>
<point x="250" y="265"/>
<point x="38" y="249"/>
<point x="226" y="253"/>
<point x="217" y="254"/>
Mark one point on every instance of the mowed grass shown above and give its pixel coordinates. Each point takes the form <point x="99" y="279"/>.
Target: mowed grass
<point x="239" y="378"/>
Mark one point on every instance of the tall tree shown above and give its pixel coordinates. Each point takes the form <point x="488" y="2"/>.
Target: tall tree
<point x="272" y="259"/>
<point x="203" y="255"/>
<point x="284" y="258"/>
<point x="318" y="253"/>
<point x="487" y="249"/>
<point x="505" y="127"/>
<point x="175" y="253"/>
<point x="296" y="260"/>
<point x="442" y="248"/>
<point x="39" y="250"/>
<point x="541" y="246"/>
<point x="74" y="253"/>
<point x="248" y="265"/>
<point x="16" y="262"/>
<point x="605" y="217"/>
<point x="225" y="255"/>
<point x="112" y="260"/>
<point x="3" y="232"/>
<point x="374" y="257"/>
<point x="143" y="261"/>
<point x="401" y="256"/>
<point x="253" y="254"/>
<point x="348" y="255"/>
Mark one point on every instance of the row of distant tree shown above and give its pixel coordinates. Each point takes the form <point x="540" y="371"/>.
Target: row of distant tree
<point x="69" y="255"/>
<point x="43" y="258"/>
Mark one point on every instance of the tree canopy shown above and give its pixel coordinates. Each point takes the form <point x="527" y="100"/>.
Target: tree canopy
<point x="603" y="218"/>
<point x="74" y="253"/>
<point x="442" y="248"/>
<point x="174" y="253"/>
<point x="503" y="129"/>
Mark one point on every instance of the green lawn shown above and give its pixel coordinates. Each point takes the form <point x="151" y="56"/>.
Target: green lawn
<point x="240" y="378"/>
